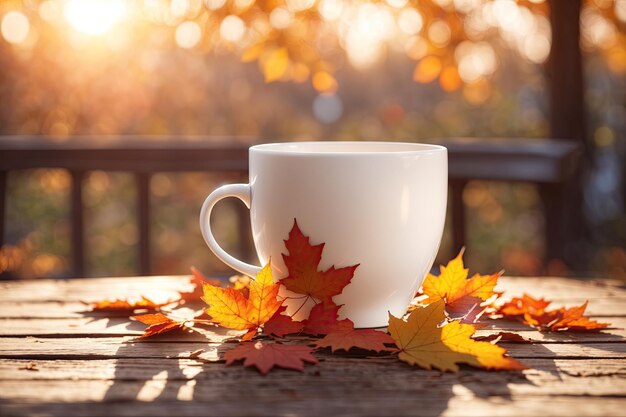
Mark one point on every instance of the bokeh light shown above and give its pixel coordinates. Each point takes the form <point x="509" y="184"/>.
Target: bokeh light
<point x="188" y="34"/>
<point x="14" y="27"/>
<point x="293" y="70"/>
<point x="93" y="17"/>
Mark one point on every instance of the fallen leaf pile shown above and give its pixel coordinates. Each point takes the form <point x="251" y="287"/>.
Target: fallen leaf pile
<point x="437" y="332"/>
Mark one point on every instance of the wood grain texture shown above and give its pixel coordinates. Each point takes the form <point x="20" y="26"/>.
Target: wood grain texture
<point x="85" y="363"/>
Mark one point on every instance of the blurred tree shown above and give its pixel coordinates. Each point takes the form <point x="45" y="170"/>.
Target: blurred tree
<point x="113" y="66"/>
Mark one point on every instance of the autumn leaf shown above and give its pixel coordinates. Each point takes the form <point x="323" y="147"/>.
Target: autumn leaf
<point x="302" y="264"/>
<point x="158" y="323"/>
<point x="265" y="356"/>
<point x="533" y="312"/>
<point x="459" y="293"/>
<point x="518" y="306"/>
<point x="233" y="309"/>
<point x="281" y="324"/>
<point x="324" y="319"/>
<point x="367" y="339"/>
<point x="424" y="343"/>
<point x="570" y="319"/>
<point x="126" y="306"/>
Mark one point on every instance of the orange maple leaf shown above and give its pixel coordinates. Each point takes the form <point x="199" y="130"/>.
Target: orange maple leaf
<point x="324" y="319"/>
<point x="423" y="342"/>
<point x="571" y="319"/>
<point x="126" y="305"/>
<point x="158" y="323"/>
<point x="281" y="324"/>
<point x="265" y="356"/>
<point x="518" y="306"/>
<point x="368" y="339"/>
<point x="302" y="264"/>
<point x="459" y="293"/>
<point x="235" y="310"/>
<point x="533" y="312"/>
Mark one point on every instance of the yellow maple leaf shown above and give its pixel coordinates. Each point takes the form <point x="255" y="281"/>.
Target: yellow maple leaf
<point x="459" y="293"/>
<point x="423" y="343"/>
<point x="234" y="309"/>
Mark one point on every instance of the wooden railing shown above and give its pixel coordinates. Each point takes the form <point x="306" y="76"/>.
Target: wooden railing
<point x="548" y="163"/>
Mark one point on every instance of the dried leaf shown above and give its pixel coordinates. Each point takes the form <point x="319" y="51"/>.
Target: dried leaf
<point x="158" y="323"/>
<point x="265" y="356"/>
<point x="520" y="306"/>
<point x="368" y="339"/>
<point x="459" y="293"/>
<point x="281" y="324"/>
<point x="126" y="306"/>
<point x="302" y="264"/>
<point x="233" y="309"/>
<point x="532" y="312"/>
<point x="570" y="319"/>
<point x="324" y="319"/>
<point x="423" y="343"/>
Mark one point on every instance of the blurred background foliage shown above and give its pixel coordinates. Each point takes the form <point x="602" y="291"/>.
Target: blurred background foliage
<point x="294" y="70"/>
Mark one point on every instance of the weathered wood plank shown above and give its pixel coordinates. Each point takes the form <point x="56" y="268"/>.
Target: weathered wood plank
<point x="166" y="286"/>
<point x="556" y="288"/>
<point x="395" y="406"/>
<point x="350" y="373"/>
<point x="121" y="347"/>
<point x="107" y="327"/>
<point x="388" y="388"/>
<point x="188" y="369"/>
<point x="158" y="288"/>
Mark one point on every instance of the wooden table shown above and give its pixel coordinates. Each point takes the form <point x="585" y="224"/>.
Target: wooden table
<point x="84" y="365"/>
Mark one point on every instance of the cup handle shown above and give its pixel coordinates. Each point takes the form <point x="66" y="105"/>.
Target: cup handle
<point x="242" y="192"/>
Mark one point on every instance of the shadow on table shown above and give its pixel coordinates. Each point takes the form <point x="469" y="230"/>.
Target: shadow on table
<point x="340" y="384"/>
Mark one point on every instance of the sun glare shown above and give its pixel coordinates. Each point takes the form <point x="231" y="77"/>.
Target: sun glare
<point x="94" y="17"/>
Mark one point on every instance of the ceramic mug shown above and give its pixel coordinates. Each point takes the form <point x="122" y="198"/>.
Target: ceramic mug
<point x="378" y="204"/>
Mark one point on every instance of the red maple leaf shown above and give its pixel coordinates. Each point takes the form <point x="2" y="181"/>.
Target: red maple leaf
<point x="265" y="356"/>
<point x="281" y="324"/>
<point x="368" y="339"/>
<point x="158" y="323"/>
<point x="324" y="319"/>
<point x="302" y="264"/>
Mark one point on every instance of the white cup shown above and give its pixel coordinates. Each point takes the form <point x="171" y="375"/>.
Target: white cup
<point x="378" y="204"/>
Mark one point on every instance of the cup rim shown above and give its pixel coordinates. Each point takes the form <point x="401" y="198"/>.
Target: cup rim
<point x="374" y="148"/>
